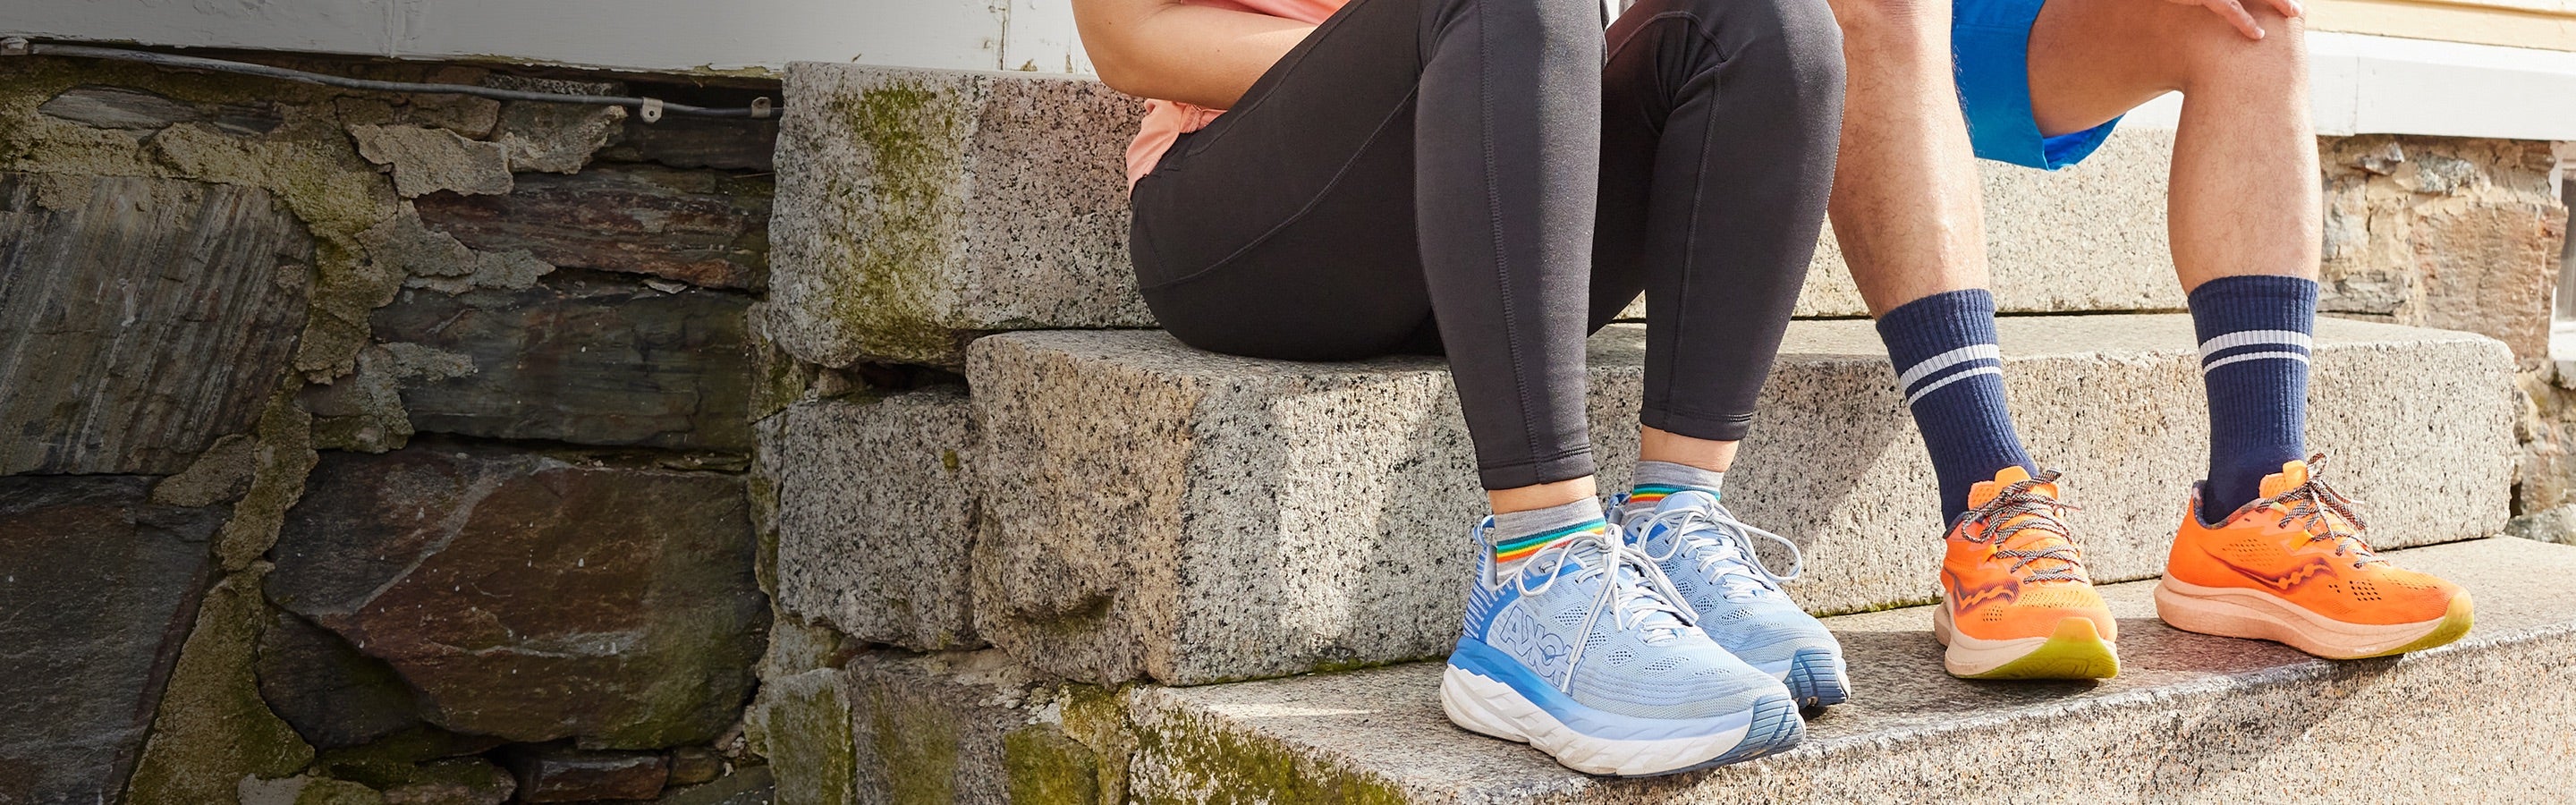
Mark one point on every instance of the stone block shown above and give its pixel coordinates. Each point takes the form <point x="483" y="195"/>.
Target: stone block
<point x="876" y="510"/>
<point x="140" y="319"/>
<point x="2445" y="232"/>
<point x="586" y="359"/>
<point x="2087" y="238"/>
<point x="101" y="585"/>
<point x="534" y="598"/>
<point x="972" y="727"/>
<point x="915" y="205"/>
<point x="2190" y="716"/>
<point x="1192" y="518"/>
<point x="700" y="227"/>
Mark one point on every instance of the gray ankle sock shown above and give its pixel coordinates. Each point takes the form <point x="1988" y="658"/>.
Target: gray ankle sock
<point x="1516" y="535"/>
<point x="1656" y="479"/>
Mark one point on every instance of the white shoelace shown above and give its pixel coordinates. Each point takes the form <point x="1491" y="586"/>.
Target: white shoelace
<point x="1634" y="601"/>
<point x="1723" y="545"/>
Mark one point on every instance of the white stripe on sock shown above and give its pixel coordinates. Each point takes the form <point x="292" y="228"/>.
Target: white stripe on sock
<point x="2252" y="356"/>
<point x="2243" y="338"/>
<point x="1937" y="384"/>
<point x="1971" y="352"/>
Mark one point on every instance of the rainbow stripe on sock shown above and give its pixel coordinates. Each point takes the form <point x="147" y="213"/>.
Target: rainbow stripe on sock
<point x="1517" y="549"/>
<point x="1648" y="495"/>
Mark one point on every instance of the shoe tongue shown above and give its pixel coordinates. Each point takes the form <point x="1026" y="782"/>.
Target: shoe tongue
<point x="1685" y="499"/>
<point x="2292" y="476"/>
<point x="1985" y="491"/>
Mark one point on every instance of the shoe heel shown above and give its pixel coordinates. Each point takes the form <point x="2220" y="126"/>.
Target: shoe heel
<point x="1474" y="711"/>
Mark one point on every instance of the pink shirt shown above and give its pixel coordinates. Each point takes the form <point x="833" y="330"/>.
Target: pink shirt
<point x="1166" y="121"/>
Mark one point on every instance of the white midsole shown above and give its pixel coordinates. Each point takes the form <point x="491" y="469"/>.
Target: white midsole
<point x="1490" y="707"/>
<point x="2242" y="612"/>
<point x="1969" y="656"/>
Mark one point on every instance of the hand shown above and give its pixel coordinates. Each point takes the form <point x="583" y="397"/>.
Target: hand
<point x="2233" y="11"/>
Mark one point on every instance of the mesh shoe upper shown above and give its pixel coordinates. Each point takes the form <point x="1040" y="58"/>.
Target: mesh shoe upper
<point x="1709" y="556"/>
<point x="2011" y="570"/>
<point x="1595" y="619"/>
<point x="2302" y="542"/>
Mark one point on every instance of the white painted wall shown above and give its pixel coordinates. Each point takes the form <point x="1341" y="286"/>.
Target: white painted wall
<point x="648" y="35"/>
<point x="2363" y="84"/>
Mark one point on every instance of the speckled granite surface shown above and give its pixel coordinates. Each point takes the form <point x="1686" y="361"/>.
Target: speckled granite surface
<point x="2192" y="718"/>
<point x="1158" y="512"/>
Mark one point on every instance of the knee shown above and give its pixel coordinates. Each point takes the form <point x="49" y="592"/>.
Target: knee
<point x="1569" y="27"/>
<point x="1791" y="40"/>
<point x="2208" y="49"/>
<point x="1892" y="27"/>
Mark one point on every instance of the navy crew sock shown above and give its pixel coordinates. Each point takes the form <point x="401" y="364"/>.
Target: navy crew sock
<point x="2254" y="341"/>
<point x="1943" y="347"/>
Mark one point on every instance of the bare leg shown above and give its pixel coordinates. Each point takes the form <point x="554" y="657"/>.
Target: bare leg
<point x="1542" y="496"/>
<point x="1666" y="446"/>
<point x="2245" y="198"/>
<point x="1905" y="202"/>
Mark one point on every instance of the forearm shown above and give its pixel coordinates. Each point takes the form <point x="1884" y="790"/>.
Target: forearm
<point x="1192" y="54"/>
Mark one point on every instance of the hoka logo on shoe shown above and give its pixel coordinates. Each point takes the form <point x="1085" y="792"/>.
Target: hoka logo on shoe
<point x="1518" y="634"/>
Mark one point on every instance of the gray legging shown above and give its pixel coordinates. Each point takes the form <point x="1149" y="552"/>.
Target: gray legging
<point x="1426" y="172"/>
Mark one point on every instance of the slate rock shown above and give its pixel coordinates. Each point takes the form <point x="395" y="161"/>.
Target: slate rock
<point x="332" y="695"/>
<point x="141" y="112"/>
<point x="531" y="598"/>
<point x="582" y="359"/>
<point x="703" y="228"/>
<point x="574" y="775"/>
<point x="698" y="142"/>
<point x="140" y="326"/>
<point x="99" y="586"/>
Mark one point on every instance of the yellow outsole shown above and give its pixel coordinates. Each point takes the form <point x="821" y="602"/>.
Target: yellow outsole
<point x="2075" y="651"/>
<point x="2455" y="625"/>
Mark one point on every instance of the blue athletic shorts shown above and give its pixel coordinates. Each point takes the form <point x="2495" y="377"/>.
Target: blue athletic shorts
<point x="1991" y="41"/>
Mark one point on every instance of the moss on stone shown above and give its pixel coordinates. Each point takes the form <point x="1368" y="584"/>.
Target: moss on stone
<point x="1042" y="766"/>
<point x="801" y="723"/>
<point x="325" y="791"/>
<point x="1233" y="769"/>
<point x="913" y="137"/>
<point x="279" y="463"/>
<point x="212" y="729"/>
<point x="916" y="743"/>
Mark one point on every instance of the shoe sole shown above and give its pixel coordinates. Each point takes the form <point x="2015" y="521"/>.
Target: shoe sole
<point x="1815" y="676"/>
<point x="2074" y="651"/>
<point x="1490" y="707"/>
<point x="2258" y="615"/>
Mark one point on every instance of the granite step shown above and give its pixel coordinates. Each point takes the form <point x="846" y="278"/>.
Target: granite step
<point x="919" y="208"/>
<point x="2190" y="718"/>
<point x="1155" y="512"/>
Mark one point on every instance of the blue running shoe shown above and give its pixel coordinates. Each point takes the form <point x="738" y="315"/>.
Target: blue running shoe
<point x="1584" y="653"/>
<point x="1708" y="555"/>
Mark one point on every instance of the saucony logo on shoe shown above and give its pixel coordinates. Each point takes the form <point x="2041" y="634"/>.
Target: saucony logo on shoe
<point x="2284" y="582"/>
<point x="1964" y="600"/>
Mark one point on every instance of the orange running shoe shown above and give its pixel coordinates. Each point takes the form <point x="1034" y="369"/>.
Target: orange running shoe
<point x="2291" y="567"/>
<point x="2016" y="602"/>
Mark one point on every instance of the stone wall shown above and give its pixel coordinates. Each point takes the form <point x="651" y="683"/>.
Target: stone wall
<point x="2464" y="235"/>
<point x="374" y="448"/>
